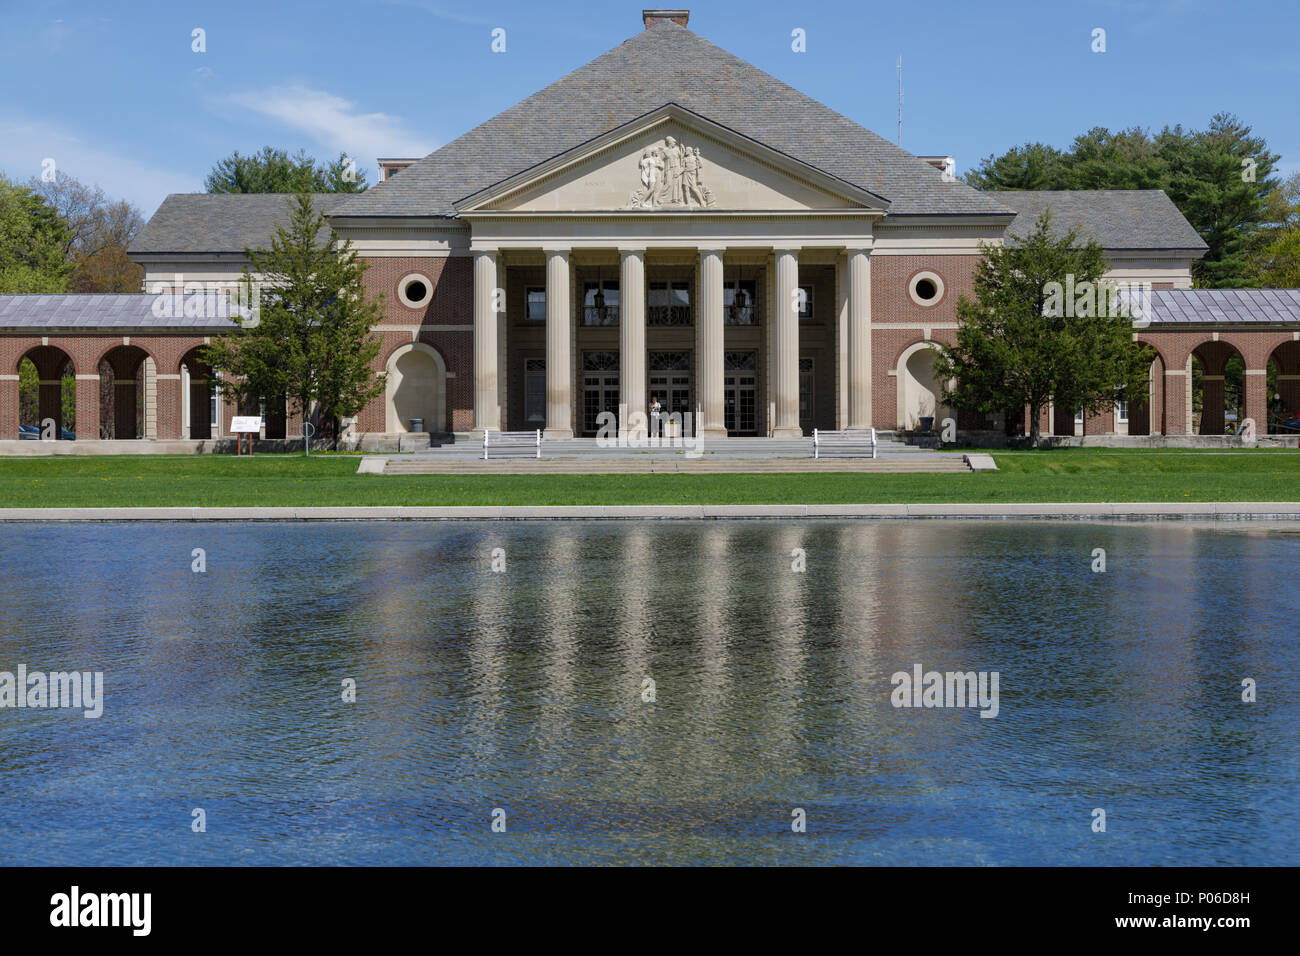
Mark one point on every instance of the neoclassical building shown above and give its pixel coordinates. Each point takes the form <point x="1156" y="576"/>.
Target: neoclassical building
<point x="666" y="222"/>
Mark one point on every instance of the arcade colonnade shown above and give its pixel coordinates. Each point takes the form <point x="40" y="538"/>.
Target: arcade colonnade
<point x="129" y="386"/>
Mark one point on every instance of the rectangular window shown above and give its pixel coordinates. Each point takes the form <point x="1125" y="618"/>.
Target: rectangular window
<point x="1121" y="411"/>
<point x="535" y="311"/>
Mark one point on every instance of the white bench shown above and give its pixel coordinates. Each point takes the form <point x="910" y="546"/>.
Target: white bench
<point x="858" y="443"/>
<point x="504" y="444"/>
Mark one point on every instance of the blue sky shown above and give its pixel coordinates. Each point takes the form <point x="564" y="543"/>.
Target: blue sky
<point x="115" y="95"/>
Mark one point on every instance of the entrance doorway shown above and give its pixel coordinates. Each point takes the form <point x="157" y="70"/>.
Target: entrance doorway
<point x="600" y="382"/>
<point x="740" y="393"/>
<point x="670" y="381"/>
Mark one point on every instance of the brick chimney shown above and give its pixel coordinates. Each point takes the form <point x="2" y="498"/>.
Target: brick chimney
<point x="651" y="17"/>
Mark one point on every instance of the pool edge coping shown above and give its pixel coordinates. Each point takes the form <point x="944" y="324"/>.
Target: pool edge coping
<point x="1239" y="510"/>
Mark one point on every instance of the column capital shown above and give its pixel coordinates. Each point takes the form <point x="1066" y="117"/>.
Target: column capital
<point x="555" y="249"/>
<point x="711" y="250"/>
<point x="631" y="250"/>
<point x="859" y="247"/>
<point x="787" y="249"/>
<point x="483" y="249"/>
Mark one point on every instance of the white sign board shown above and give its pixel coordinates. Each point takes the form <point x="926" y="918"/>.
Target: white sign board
<point x="245" y="423"/>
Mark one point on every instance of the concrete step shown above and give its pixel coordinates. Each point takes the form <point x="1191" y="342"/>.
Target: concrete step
<point x="681" y="465"/>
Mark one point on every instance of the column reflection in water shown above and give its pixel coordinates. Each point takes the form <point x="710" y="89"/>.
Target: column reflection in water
<point x="521" y="690"/>
<point x="493" y="605"/>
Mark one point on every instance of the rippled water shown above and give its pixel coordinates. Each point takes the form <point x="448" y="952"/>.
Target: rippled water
<point x="523" y="691"/>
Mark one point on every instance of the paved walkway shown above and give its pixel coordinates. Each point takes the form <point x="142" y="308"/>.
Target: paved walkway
<point x="1203" y="510"/>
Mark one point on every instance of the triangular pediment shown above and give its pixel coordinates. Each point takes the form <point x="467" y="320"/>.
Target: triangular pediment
<point x="670" y="161"/>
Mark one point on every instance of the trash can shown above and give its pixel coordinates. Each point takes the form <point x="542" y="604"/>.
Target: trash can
<point x="417" y="424"/>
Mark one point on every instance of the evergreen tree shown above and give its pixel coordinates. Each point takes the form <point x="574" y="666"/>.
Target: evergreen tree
<point x="311" y="341"/>
<point x="275" y="171"/>
<point x="1032" y="336"/>
<point x="1220" y="178"/>
<point x="1032" y="166"/>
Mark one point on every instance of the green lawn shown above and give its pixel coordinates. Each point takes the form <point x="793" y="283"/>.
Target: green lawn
<point x="1073" y="474"/>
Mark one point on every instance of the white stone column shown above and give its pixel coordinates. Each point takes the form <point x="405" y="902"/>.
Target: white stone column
<point x="559" y="387"/>
<point x="859" y="338"/>
<point x="785" y="345"/>
<point x="709" y="345"/>
<point x="503" y="350"/>
<point x="487" y="411"/>
<point x="631" y="333"/>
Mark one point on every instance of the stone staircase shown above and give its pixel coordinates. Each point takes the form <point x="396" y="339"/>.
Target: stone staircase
<point x="580" y="456"/>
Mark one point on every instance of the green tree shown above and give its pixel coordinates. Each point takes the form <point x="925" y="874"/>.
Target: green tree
<point x="1219" y="178"/>
<point x="1032" y="166"/>
<point x="33" y="240"/>
<point x="1100" y="159"/>
<point x="1032" y="336"/>
<point x="99" y="232"/>
<point x="1275" y="253"/>
<point x="311" y="340"/>
<point x="275" y="171"/>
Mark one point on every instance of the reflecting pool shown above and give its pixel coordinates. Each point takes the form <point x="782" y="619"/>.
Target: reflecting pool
<point x="652" y="692"/>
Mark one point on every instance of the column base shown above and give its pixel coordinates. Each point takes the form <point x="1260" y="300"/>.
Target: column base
<point x="710" y="431"/>
<point x="557" y="434"/>
<point x="788" y="431"/>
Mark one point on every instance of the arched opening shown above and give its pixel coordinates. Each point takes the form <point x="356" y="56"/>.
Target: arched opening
<point x="198" y="396"/>
<point x="1218" y="389"/>
<point x="122" y="394"/>
<point x="1284" y="389"/>
<point x="417" y="388"/>
<point x="47" y="389"/>
<point x="1146" y="417"/>
<point x="919" y="389"/>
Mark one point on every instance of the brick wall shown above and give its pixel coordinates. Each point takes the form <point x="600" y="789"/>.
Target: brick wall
<point x="451" y="303"/>
<point x="892" y="304"/>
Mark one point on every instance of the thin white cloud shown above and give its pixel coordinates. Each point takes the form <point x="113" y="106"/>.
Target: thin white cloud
<point x="334" y="121"/>
<point x="25" y="143"/>
<point x="442" y="11"/>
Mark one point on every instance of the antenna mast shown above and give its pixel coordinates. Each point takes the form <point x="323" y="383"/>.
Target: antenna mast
<point x="900" y="101"/>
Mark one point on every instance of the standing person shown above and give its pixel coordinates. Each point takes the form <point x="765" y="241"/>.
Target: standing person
<point x="655" y="409"/>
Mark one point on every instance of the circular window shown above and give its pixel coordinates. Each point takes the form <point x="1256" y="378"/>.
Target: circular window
<point x="926" y="288"/>
<point x="415" y="291"/>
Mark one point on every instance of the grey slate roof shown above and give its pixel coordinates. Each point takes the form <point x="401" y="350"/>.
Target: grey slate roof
<point x="104" y="312"/>
<point x="216" y="222"/>
<point x="662" y="64"/>
<point x="1116" y="218"/>
<point x="1225" y="306"/>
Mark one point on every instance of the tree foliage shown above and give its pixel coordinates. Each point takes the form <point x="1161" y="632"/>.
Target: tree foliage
<point x="33" y="239"/>
<point x="312" y="340"/>
<point x="1275" y="252"/>
<point x="275" y="171"/>
<point x="1018" y="348"/>
<point x="99" y="232"/>
<point x="1220" y="178"/>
